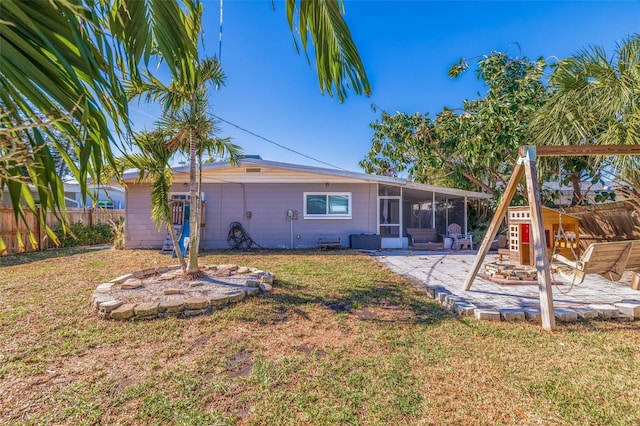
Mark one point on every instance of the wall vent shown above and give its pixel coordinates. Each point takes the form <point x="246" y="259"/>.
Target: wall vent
<point x="253" y="170"/>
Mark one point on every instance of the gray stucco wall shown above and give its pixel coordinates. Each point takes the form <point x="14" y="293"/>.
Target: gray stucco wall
<point x="268" y="204"/>
<point x="140" y="231"/>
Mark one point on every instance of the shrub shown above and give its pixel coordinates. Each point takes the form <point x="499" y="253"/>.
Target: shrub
<point x="82" y="235"/>
<point x="117" y="228"/>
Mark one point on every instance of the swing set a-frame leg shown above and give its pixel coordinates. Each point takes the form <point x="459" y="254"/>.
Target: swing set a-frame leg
<point x="547" y="314"/>
<point x="492" y="231"/>
<point x="526" y="166"/>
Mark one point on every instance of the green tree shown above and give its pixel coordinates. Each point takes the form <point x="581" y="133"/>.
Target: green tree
<point x="472" y="149"/>
<point x="185" y="110"/>
<point x="595" y="100"/>
<point x="192" y="130"/>
<point x="152" y="162"/>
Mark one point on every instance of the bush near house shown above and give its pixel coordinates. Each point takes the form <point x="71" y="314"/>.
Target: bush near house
<point x="86" y="235"/>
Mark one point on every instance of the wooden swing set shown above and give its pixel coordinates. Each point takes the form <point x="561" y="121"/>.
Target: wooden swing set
<point x="607" y="259"/>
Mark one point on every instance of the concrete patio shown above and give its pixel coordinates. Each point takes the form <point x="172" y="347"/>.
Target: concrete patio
<point x="442" y="274"/>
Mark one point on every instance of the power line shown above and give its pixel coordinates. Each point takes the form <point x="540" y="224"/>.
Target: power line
<point x="276" y="143"/>
<point x="220" y="35"/>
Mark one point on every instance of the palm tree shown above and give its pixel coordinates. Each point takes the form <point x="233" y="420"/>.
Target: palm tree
<point x="61" y="67"/>
<point x="64" y="60"/>
<point x="192" y="130"/>
<point x="595" y="100"/>
<point x="153" y="165"/>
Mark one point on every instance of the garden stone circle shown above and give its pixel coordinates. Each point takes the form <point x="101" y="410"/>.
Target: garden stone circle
<point x="165" y="291"/>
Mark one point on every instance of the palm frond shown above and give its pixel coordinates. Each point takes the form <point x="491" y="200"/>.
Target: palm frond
<point x="338" y="63"/>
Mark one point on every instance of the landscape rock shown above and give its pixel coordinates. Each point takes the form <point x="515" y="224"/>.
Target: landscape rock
<point x="121" y="278"/>
<point x="219" y="300"/>
<point x="109" y="306"/>
<point x="99" y="298"/>
<point x="149" y="272"/>
<point x="146" y="309"/>
<point x="124" y="312"/>
<point x="565" y="315"/>
<point x="196" y="303"/>
<point x="131" y="284"/>
<point x="585" y="312"/>
<point x="631" y="309"/>
<point x="230" y="267"/>
<point x="236" y="296"/>
<point x="464" y="308"/>
<point x="251" y="291"/>
<point x="171" y="306"/>
<point x="251" y="283"/>
<point x="533" y="314"/>
<point x="514" y="314"/>
<point x="223" y="272"/>
<point x="264" y="287"/>
<point x="487" y="314"/>
<point x="267" y="278"/>
<point x="104" y="287"/>
<point x="606" y="311"/>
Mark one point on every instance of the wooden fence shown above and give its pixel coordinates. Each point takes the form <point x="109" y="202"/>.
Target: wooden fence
<point x="606" y="222"/>
<point x="10" y="230"/>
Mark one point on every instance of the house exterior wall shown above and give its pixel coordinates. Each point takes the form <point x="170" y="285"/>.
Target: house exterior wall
<point x="140" y="231"/>
<point x="268" y="203"/>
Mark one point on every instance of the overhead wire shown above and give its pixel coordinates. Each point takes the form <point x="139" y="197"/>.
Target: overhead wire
<point x="220" y="35"/>
<point x="276" y="143"/>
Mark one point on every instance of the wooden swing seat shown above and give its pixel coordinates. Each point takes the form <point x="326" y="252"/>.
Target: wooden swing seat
<point x="609" y="260"/>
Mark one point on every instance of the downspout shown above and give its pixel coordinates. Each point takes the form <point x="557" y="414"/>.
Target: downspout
<point x="433" y="210"/>
<point x="446" y="213"/>
<point x="465" y="217"/>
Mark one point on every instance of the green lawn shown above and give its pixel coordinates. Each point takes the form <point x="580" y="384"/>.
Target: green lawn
<point x="341" y="340"/>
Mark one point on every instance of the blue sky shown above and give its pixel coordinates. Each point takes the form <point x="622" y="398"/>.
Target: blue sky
<point x="407" y="48"/>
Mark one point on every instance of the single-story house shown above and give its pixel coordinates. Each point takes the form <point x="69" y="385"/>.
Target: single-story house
<point x="108" y="196"/>
<point x="283" y="205"/>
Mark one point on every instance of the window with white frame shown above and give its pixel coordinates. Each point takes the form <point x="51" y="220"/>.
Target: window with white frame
<point x="327" y="205"/>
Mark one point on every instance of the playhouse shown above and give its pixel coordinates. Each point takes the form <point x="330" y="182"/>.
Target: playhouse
<point x="560" y="229"/>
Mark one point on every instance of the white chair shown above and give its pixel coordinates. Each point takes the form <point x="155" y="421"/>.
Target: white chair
<point x="460" y="241"/>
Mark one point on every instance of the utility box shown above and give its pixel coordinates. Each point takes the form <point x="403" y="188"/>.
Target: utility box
<point x="365" y="241"/>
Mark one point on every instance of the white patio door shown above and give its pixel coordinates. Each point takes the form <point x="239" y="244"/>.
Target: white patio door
<point x="390" y="221"/>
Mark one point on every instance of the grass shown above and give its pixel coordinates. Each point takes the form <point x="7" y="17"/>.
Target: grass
<point x="341" y="340"/>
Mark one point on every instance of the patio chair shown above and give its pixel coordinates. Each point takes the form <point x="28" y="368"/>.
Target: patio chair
<point x="459" y="240"/>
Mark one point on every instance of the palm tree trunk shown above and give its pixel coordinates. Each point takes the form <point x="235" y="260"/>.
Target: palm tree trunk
<point x="176" y="245"/>
<point x="199" y="189"/>
<point x="193" y="267"/>
<point x="576" y="197"/>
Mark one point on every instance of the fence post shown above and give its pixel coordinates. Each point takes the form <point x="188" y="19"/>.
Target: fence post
<point x="39" y="220"/>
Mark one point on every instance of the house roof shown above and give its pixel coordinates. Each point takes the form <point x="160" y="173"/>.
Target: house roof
<point x="252" y="170"/>
<point x="558" y="212"/>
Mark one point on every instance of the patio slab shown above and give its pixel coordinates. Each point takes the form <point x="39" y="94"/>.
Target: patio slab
<point x="442" y="274"/>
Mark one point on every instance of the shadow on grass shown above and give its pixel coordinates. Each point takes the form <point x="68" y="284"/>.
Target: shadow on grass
<point x="53" y="253"/>
<point x="382" y="304"/>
